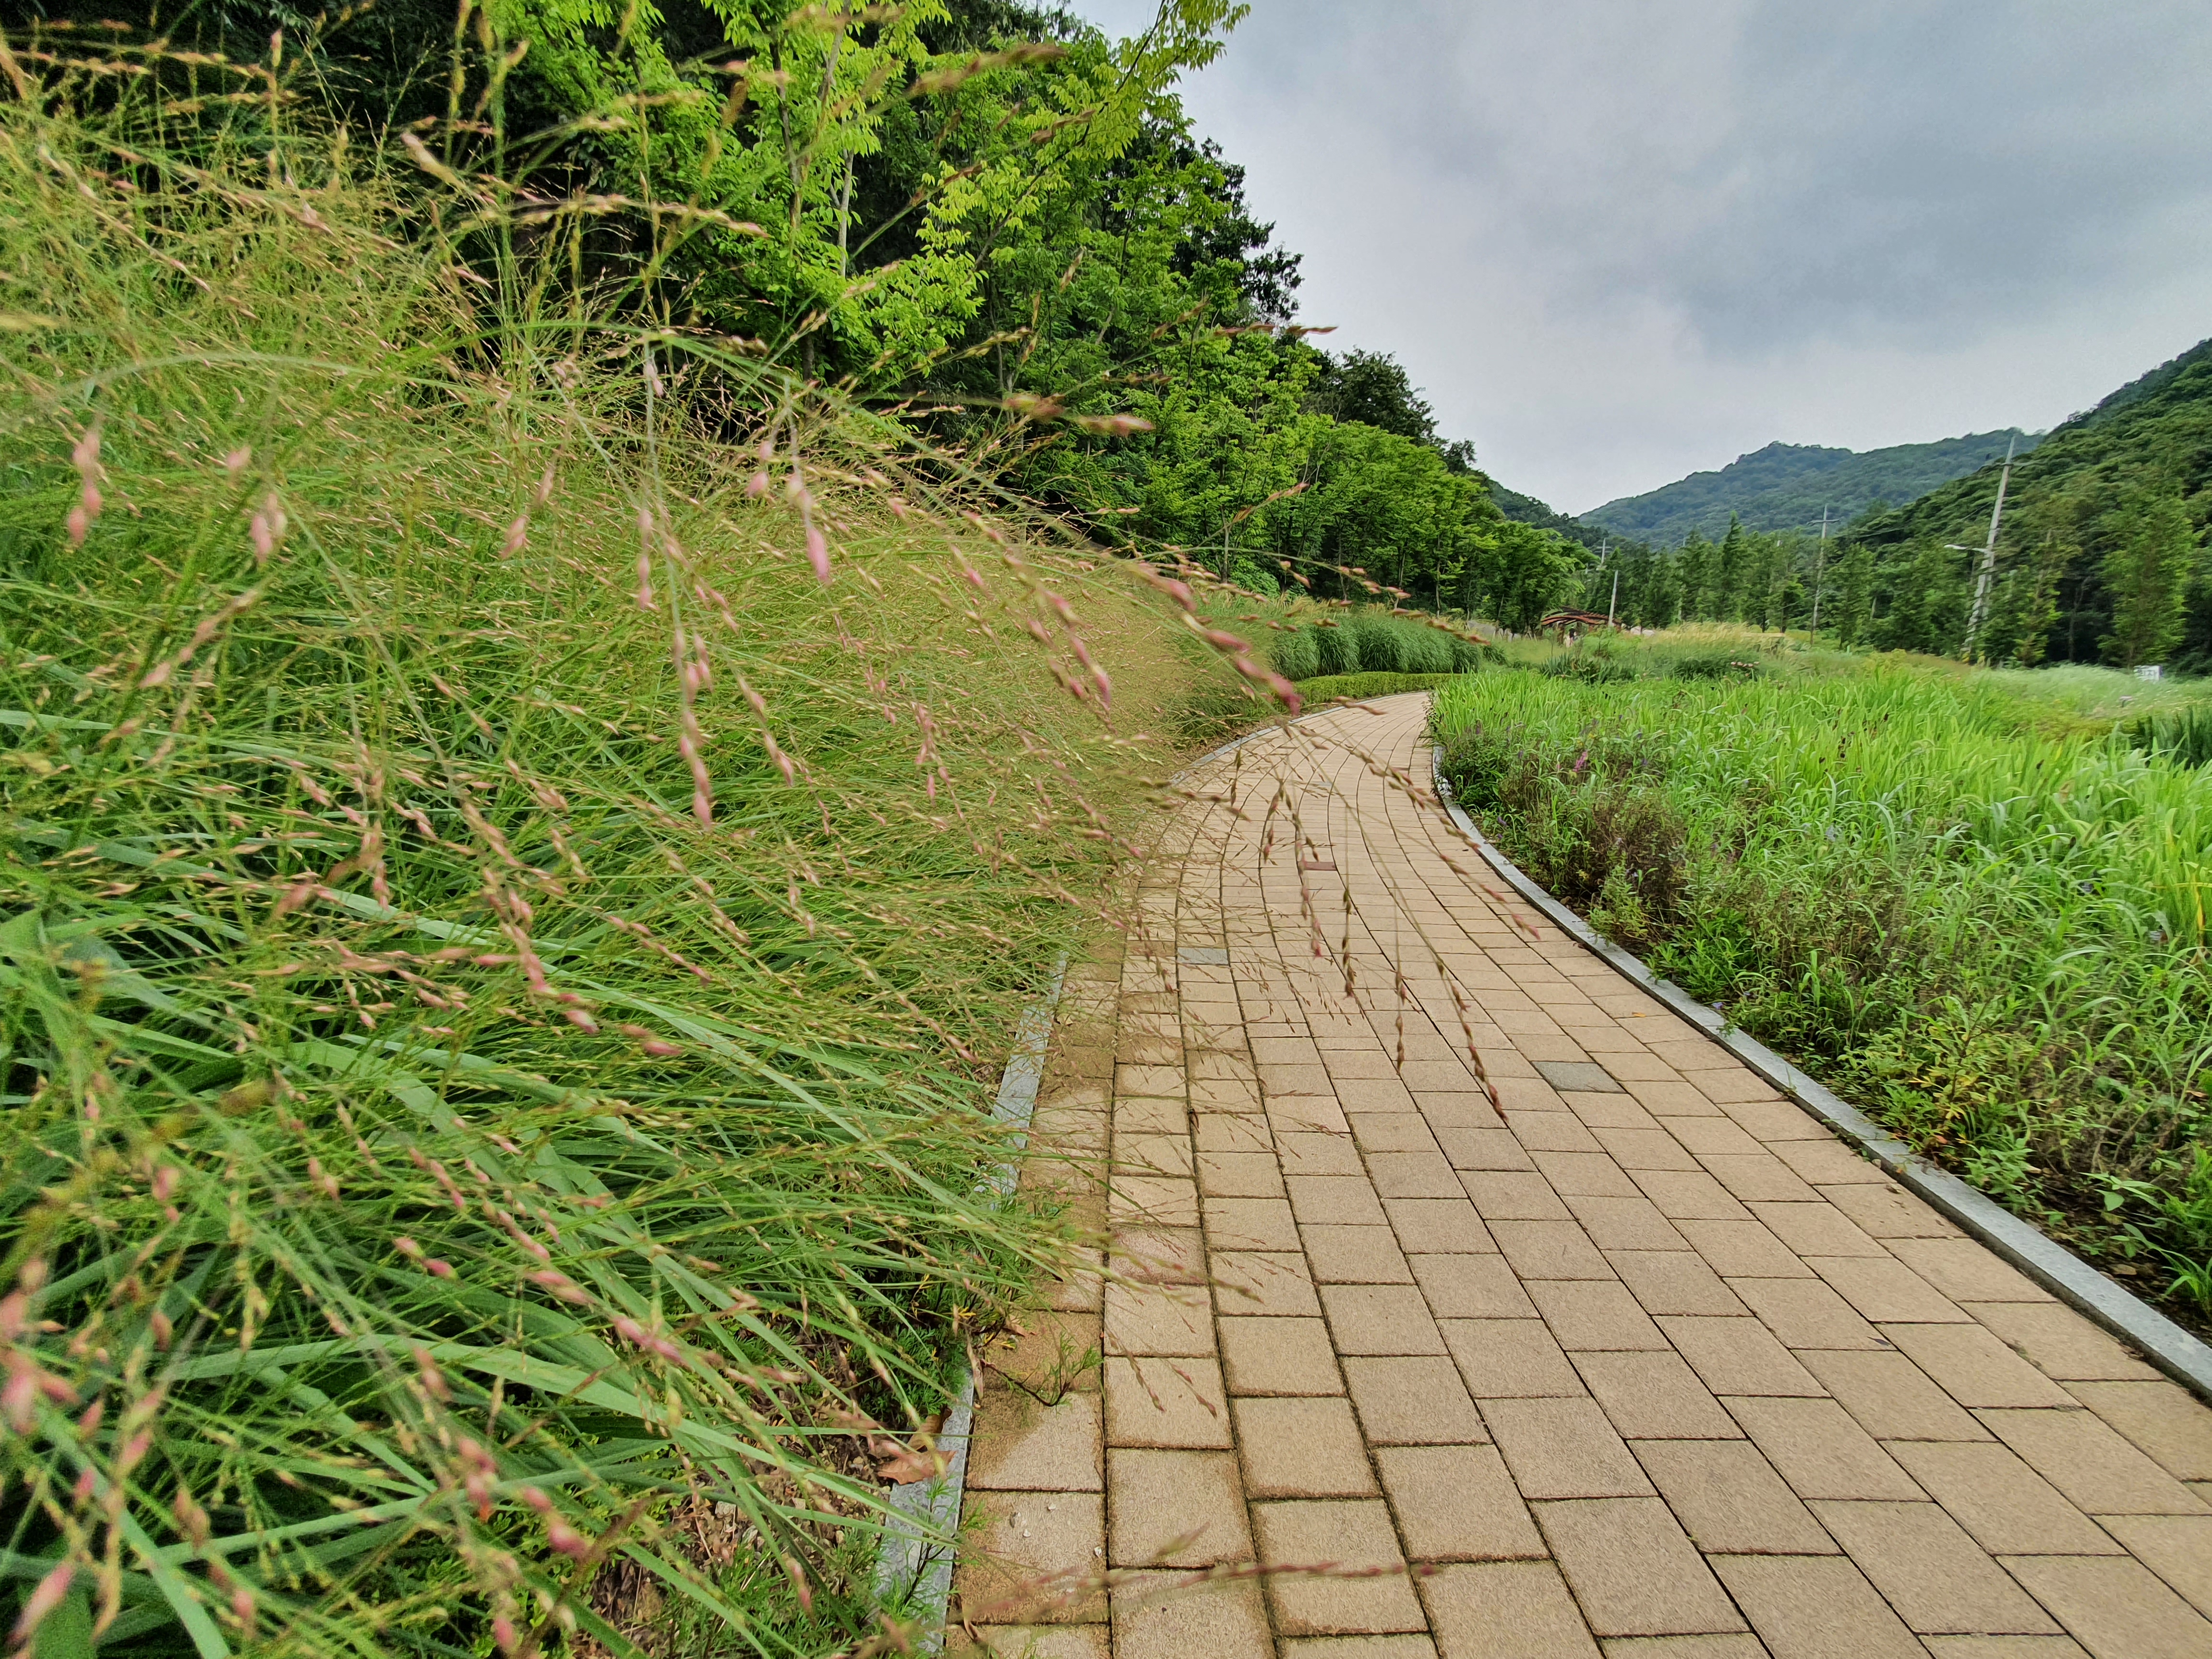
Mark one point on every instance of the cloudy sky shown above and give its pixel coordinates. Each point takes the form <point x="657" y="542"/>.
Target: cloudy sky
<point x="1621" y="240"/>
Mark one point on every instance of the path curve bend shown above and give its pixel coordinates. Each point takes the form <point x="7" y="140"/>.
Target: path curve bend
<point x="1465" y="1300"/>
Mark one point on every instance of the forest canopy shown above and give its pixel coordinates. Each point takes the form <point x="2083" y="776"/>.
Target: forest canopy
<point x="984" y="216"/>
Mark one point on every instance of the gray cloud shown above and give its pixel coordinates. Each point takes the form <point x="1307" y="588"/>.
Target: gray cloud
<point x="1618" y="240"/>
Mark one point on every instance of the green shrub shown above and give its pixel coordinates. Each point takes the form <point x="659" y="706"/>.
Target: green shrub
<point x="1424" y="650"/>
<point x="1468" y="655"/>
<point x="1600" y="833"/>
<point x="1338" y="648"/>
<point x="1296" y="654"/>
<point x="1377" y="642"/>
<point x="2183" y="738"/>
<point x="1320" y="690"/>
<point x="1381" y="642"/>
<point x="1589" y="667"/>
<point x="1245" y="574"/>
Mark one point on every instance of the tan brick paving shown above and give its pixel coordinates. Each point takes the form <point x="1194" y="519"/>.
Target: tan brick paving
<point x="1636" y="1360"/>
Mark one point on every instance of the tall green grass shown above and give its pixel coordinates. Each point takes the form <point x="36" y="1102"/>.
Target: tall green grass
<point x="502" y="967"/>
<point x="1973" y="909"/>
<point x="1367" y="640"/>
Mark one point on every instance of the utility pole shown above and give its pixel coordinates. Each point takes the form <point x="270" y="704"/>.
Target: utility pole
<point x="1987" y="573"/>
<point x="1819" y="570"/>
<point x="1612" y="606"/>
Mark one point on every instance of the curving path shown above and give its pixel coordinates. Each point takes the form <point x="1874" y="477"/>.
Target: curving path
<point x="1650" y="1363"/>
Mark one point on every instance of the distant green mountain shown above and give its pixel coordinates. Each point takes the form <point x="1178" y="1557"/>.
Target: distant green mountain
<point x="1786" y="486"/>
<point x="2083" y="499"/>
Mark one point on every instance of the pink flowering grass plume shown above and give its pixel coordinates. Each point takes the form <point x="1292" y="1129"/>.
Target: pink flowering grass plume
<point x="267" y="527"/>
<point x="46" y="1596"/>
<point x="85" y="458"/>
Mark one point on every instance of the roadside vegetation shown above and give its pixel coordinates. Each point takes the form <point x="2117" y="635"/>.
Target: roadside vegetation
<point x="1308" y="645"/>
<point x="526" y="835"/>
<point x="1973" y="902"/>
<point x="1327" y="688"/>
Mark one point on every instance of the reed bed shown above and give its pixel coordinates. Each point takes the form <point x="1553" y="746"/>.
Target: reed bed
<point x="1964" y="899"/>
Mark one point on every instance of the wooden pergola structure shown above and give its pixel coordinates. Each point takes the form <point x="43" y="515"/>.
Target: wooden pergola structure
<point x="1563" y="620"/>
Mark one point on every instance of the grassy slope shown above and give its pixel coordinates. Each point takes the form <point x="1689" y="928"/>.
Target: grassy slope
<point x="1950" y="892"/>
<point x="457" y="1138"/>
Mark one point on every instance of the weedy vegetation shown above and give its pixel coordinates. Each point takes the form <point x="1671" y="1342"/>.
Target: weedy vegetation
<point x="1330" y="687"/>
<point x="1974" y="903"/>
<point x="525" y="826"/>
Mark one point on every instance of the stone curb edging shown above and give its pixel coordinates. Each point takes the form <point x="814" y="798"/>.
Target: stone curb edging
<point x="916" y="1558"/>
<point x="2050" y="1264"/>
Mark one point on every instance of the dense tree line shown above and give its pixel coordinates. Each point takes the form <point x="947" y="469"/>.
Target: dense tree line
<point x="2100" y="555"/>
<point x="1761" y="579"/>
<point x="983" y="214"/>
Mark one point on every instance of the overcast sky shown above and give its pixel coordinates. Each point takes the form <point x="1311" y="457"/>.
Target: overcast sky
<point x="1622" y="240"/>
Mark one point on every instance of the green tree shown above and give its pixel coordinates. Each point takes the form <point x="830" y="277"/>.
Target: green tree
<point x="1658" y="595"/>
<point x="2026" y="604"/>
<point x="985" y="213"/>
<point x="1527" y="572"/>
<point x="2195" y="655"/>
<point x="1695" y="567"/>
<point x="2148" y="572"/>
<point x="1926" y="613"/>
<point x="1851" y="596"/>
<point x="1374" y="389"/>
<point x="1732" y="572"/>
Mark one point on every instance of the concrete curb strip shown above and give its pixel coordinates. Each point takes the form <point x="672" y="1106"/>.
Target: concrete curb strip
<point x="2058" y="1270"/>
<point x="916" y="1558"/>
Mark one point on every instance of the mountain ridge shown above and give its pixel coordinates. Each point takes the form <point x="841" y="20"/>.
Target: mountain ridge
<point x="1784" y="486"/>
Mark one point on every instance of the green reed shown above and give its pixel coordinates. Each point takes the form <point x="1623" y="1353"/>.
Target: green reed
<point x="1957" y="895"/>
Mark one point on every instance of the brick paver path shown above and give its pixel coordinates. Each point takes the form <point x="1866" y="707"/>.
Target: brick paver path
<point x="1649" y="1362"/>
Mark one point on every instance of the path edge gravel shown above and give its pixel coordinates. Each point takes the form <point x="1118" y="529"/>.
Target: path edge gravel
<point x="2043" y="1259"/>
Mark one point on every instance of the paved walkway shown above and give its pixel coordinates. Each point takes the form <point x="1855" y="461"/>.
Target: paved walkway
<point x="1649" y="1362"/>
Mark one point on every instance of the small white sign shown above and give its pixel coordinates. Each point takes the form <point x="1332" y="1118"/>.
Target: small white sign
<point x="2150" y="670"/>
